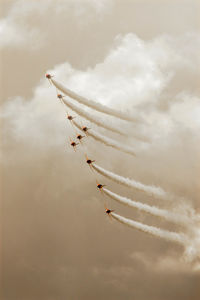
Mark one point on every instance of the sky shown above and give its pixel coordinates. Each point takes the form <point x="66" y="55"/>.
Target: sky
<point x="140" y="57"/>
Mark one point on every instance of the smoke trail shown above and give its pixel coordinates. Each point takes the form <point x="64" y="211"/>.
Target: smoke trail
<point x="175" y="218"/>
<point x="90" y="118"/>
<point x="100" y="123"/>
<point x="154" y="191"/>
<point x="97" y="106"/>
<point x="161" y="233"/>
<point x="107" y="141"/>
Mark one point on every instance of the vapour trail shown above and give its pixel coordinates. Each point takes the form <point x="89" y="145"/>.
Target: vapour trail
<point x="161" y="233"/>
<point x="90" y="118"/>
<point x="154" y="191"/>
<point x="100" y="123"/>
<point x="97" y="106"/>
<point x="107" y="141"/>
<point x="155" y="211"/>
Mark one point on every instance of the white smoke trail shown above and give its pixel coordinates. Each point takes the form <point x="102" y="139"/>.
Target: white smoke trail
<point x="155" y="211"/>
<point x="97" y="106"/>
<point x="154" y="191"/>
<point x="161" y="233"/>
<point x="107" y="141"/>
<point x="90" y="118"/>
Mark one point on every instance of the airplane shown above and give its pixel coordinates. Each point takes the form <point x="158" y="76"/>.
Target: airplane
<point x="89" y="162"/>
<point x="60" y="97"/>
<point x="80" y="137"/>
<point x="73" y="144"/>
<point x="48" y="76"/>
<point x="99" y="185"/>
<point x="108" y="211"/>
<point x="85" y="129"/>
<point x="70" y="118"/>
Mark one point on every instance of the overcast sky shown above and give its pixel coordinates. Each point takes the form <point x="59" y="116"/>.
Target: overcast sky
<point x="136" y="56"/>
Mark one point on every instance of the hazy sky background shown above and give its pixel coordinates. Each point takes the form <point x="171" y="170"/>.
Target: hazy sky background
<point x="140" y="56"/>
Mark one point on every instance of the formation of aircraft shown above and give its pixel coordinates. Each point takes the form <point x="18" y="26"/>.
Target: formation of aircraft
<point x="75" y="144"/>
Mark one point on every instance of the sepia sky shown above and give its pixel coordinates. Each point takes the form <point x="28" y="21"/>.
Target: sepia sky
<point x="135" y="56"/>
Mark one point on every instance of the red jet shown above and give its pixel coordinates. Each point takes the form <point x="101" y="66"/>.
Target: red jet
<point x="100" y="186"/>
<point x="73" y="144"/>
<point x="108" y="211"/>
<point x="70" y="118"/>
<point x="85" y="129"/>
<point x="48" y="76"/>
<point x="89" y="162"/>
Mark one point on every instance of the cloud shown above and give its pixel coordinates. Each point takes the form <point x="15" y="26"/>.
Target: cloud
<point x="56" y="238"/>
<point x="16" y="35"/>
<point x="144" y="77"/>
<point x="19" y="29"/>
<point x="137" y="77"/>
<point x="51" y="185"/>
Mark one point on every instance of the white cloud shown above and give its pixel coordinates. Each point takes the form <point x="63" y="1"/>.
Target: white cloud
<point x="141" y="75"/>
<point x="15" y="35"/>
<point x="145" y="77"/>
<point x="34" y="121"/>
<point x="21" y="29"/>
<point x="138" y="75"/>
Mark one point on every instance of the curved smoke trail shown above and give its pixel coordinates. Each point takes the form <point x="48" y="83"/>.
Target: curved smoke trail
<point x="154" y="191"/>
<point x="90" y="118"/>
<point x="161" y="233"/>
<point x="107" y="141"/>
<point x="155" y="211"/>
<point x="97" y="106"/>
